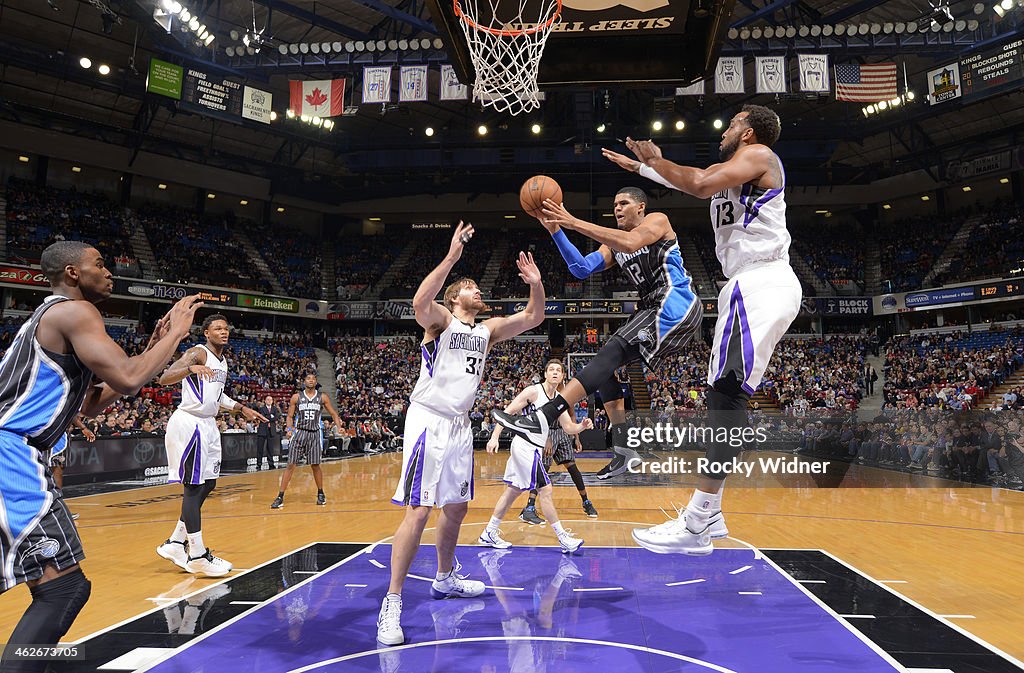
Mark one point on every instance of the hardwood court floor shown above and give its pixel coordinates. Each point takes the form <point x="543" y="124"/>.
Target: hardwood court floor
<point x="956" y="549"/>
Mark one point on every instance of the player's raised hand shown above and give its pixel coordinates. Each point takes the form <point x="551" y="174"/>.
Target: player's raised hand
<point x="556" y="214"/>
<point x="463" y="234"/>
<point x="528" y="270"/>
<point x="621" y="160"/>
<point x="182" y="314"/>
<point x="160" y="330"/>
<point x="645" y="150"/>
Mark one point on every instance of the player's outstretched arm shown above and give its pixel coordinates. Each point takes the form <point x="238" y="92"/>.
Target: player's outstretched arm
<point x="531" y="316"/>
<point x="653" y="228"/>
<point x="526" y="396"/>
<point x="579" y="266"/>
<point x="80" y="324"/>
<point x="748" y="164"/>
<point x="192" y="361"/>
<point x="430" y="315"/>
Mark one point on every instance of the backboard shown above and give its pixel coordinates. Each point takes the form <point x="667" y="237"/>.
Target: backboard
<point x="608" y="42"/>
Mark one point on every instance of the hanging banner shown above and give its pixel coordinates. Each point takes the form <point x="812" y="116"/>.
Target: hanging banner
<point x="317" y="98"/>
<point x="377" y="84"/>
<point x="451" y="88"/>
<point x="944" y="84"/>
<point x="695" y="89"/>
<point x="729" y="75"/>
<point x="413" y="83"/>
<point x="771" y="74"/>
<point x="814" y="73"/>
<point x="256" y="104"/>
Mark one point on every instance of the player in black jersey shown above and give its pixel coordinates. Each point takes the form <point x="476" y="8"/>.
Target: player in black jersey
<point x="306" y="436"/>
<point x="667" y="316"/>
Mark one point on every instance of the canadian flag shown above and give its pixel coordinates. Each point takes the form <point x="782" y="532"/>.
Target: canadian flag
<point x="319" y="98"/>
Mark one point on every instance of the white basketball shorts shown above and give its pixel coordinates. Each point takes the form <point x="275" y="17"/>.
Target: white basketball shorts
<point x="437" y="459"/>
<point x="525" y="467"/>
<point x="193" y="448"/>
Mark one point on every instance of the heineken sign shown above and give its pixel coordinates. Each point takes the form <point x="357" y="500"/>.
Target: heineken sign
<point x="268" y="303"/>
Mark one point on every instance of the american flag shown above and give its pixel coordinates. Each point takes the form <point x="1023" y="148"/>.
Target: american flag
<point x="866" y="83"/>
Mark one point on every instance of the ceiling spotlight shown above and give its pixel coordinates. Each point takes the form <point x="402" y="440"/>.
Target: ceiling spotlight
<point x="393" y="45"/>
<point x="745" y="34"/>
<point x="429" y="131"/>
<point x="966" y="188"/>
<point x="76" y="169"/>
<point x="601" y="128"/>
<point x="717" y="124"/>
<point x="769" y="32"/>
<point x="926" y="198"/>
<point x="535" y="129"/>
<point x="910" y="95"/>
<point x="680" y="125"/>
<point x="756" y="33"/>
<point x="230" y="51"/>
<point x="827" y="30"/>
<point x="304" y="48"/>
<point x="438" y="44"/>
<point x="815" y="31"/>
<point x="481" y="130"/>
<point x="184" y="16"/>
<point x="979" y="8"/>
<point x="883" y="105"/>
<point x="403" y="44"/>
<point x="104" y="69"/>
<point x="161" y="186"/>
<point x="273" y="116"/>
<point x="888" y="28"/>
<point x="304" y="119"/>
<point x="175" y="7"/>
<point x="280" y="209"/>
<point x="1004" y="181"/>
<point x="790" y="32"/>
<point x="886" y="206"/>
<point x="290" y="113"/>
<point x="805" y="31"/>
<point x="998" y="9"/>
<point x="315" y="47"/>
<point x="85" y="63"/>
<point x="211" y="195"/>
<point x="656" y="125"/>
<point x="1006" y="4"/>
<point x="23" y="159"/>
<point x="209" y="38"/>
<point x="733" y="33"/>
<point x="326" y="48"/>
<point x="243" y="202"/>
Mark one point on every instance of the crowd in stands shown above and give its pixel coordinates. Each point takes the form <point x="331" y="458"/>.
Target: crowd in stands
<point x="910" y="248"/>
<point x="951" y="371"/>
<point x="681" y="383"/>
<point x="1001" y="236"/>
<point x="558" y="282"/>
<point x="835" y="253"/>
<point x="191" y="249"/>
<point x="806" y="374"/>
<point x="293" y="256"/>
<point x="37" y="216"/>
<point x="360" y="261"/>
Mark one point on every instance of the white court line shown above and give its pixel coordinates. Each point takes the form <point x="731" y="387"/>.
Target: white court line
<point x="377" y="563"/>
<point x="888" y="658"/>
<point x="749" y="593"/>
<point x="957" y="616"/>
<point x="893" y="582"/>
<point x="187" y="596"/>
<point x="583" y="589"/>
<point x="740" y="570"/>
<point x="812" y="581"/>
<point x="507" y="639"/>
<point x="245" y="602"/>
<point x="917" y="605"/>
<point x="305" y="572"/>
<point x="929" y="670"/>
<point x="357" y="586"/>
<point x="247" y="613"/>
<point x="858" y="616"/>
<point x="678" y="584"/>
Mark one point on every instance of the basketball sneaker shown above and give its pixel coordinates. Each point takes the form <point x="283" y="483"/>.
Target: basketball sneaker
<point x="321" y="499"/>
<point x="491" y="561"/>
<point x="589" y="509"/>
<point x="529" y="515"/>
<point x="569" y="543"/>
<point x="74" y="516"/>
<point x="532" y="428"/>
<point x="567" y="570"/>
<point x="455" y="586"/>
<point x="449" y="616"/>
<point x="620" y="463"/>
<point x="492" y="538"/>
<point x="389" y="621"/>
<point x="717" y="527"/>
<point x="174" y="552"/>
<point x="686" y="534"/>
<point x="208" y="565"/>
<point x="279" y="503"/>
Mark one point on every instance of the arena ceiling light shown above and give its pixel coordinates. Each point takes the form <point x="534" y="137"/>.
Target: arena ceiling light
<point x="510" y="217"/>
<point x="601" y="128"/>
<point x="926" y="198"/>
<point x="481" y="130"/>
<point x="717" y="124"/>
<point x="85" y="62"/>
<point x="1004" y="181"/>
<point x="886" y="206"/>
<point x="656" y="125"/>
<point x="161" y="186"/>
<point x="243" y="202"/>
<point x="76" y="169"/>
<point x="280" y="209"/>
<point x="211" y="195"/>
<point x="22" y="158"/>
<point x="429" y="131"/>
<point x="680" y="125"/>
<point x="966" y="188"/>
<point x="535" y="129"/>
<point x="104" y="69"/>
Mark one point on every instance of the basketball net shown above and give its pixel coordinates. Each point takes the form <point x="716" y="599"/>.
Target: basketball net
<point x="506" y="49"/>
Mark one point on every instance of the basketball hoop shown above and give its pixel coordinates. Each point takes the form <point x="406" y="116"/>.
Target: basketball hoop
<point x="506" y="49"/>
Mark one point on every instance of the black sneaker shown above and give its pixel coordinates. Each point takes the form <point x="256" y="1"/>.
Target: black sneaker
<point x="589" y="509"/>
<point x="321" y="499"/>
<point x="532" y="428"/>
<point x="529" y="515"/>
<point x="278" y="503"/>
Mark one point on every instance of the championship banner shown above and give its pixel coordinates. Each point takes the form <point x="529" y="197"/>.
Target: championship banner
<point x="814" y="73"/>
<point x="317" y="98"/>
<point x="256" y="104"/>
<point x="771" y="74"/>
<point x="412" y="84"/>
<point x="377" y="84"/>
<point x="729" y="75"/>
<point x="451" y="88"/>
<point x="944" y="84"/>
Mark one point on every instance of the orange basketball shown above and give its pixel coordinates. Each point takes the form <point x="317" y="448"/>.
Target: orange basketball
<point x="535" y="190"/>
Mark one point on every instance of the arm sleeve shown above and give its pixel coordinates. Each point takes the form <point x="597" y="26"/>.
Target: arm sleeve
<point x="652" y="174"/>
<point x="228" y="403"/>
<point x="579" y="266"/>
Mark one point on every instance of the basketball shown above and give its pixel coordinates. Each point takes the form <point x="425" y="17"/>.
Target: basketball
<point x="535" y="190"/>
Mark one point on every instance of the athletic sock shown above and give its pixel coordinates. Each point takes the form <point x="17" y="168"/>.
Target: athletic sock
<point x="553" y="409"/>
<point x="704" y="504"/>
<point x="494" y="524"/>
<point x="196" y="548"/>
<point x="557" y="527"/>
<point x="180" y="533"/>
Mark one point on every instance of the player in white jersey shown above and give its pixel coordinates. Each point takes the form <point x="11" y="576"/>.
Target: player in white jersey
<point x="193" y="443"/>
<point x="437" y="457"/>
<point x="756" y="306"/>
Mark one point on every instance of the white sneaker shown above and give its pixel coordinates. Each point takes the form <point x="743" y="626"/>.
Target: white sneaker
<point x="491" y="560"/>
<point x="456" y="586"/>
<point x="491" y="538"/>
<point x="174" y="552"/>
<point x="389" y="621"/>
<point x="569" y="543"/>
<point x="717" y="526"/>
<point x="567" y="570"/>
<point x="677" y="536"/>
<point x="208" y="565"/>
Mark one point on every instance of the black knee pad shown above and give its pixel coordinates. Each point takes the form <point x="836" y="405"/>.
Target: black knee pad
<point x="55" y="604"/>
<point x="727" y="408"/>
<point x="190" y="504"/>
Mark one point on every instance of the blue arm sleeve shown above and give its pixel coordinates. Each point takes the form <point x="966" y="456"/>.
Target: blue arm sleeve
<point x="579" y="266"/>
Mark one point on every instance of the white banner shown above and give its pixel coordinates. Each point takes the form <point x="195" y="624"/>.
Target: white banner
<point x="729" y="75"/>
<point x="413" y="83"/>
<point x="451" y="89"/>
<point x="377" y="84"/>
<point x="771" y="74"/>
<point x="814" y="73"/>
<point x="695" y="89"/>
<point x="944" y="83"/>
<point x="256" y="104"/>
